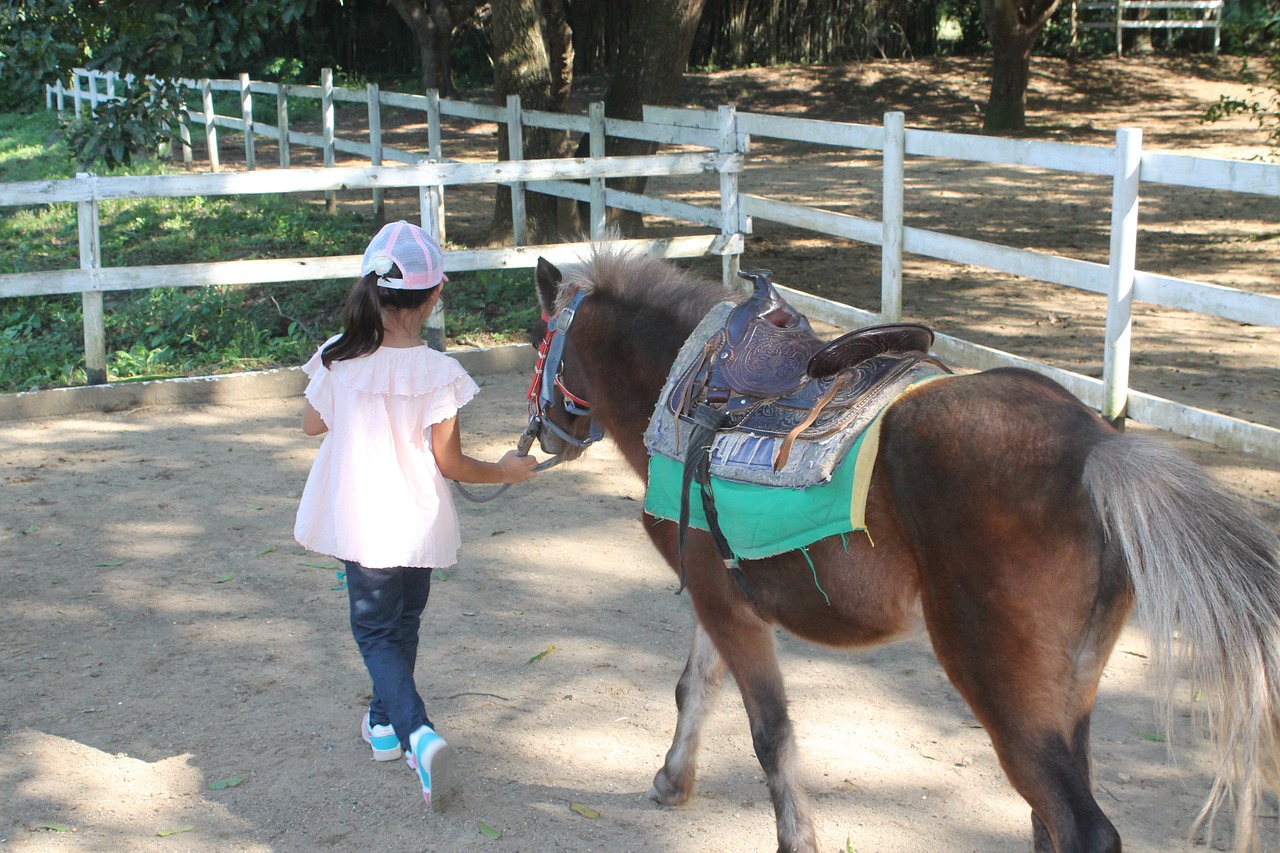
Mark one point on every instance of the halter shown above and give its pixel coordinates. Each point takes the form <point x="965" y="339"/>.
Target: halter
<point x="550" y="362"/>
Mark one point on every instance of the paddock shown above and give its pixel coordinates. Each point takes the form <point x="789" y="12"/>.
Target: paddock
<point x="165" y="635"/>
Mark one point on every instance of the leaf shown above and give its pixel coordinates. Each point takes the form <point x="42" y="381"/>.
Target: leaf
<point x="321" y="565"/>
<point x="32" y="529"/>
<point x="57" y="827"/>
<point x="848" y="844"/>
<point x="542" y="654"/>
<point x="223" y="784"/>
<point x="229" y="576"/>
<point x="110" y="564"/>
<point x="1152" y="736"/>
<point x="497" y="533"/>
<point x="585" y="811"/>
<point x="488" y="831"/>
<point x="253" y="506"/>
<point x="164" y="833"/>
<point x="267" y="550"/>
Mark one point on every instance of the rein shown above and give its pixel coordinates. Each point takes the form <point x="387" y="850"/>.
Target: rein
<point x="540" y="398"/>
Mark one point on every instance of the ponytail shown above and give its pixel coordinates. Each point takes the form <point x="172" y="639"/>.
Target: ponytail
<point x="362" y="329"/>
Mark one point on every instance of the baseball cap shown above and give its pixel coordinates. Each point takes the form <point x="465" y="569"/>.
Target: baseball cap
<point x="408" y="247"/>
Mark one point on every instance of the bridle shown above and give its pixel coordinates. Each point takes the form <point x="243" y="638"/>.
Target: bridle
<point x="541" y="394"/>
<point x="541" y="397"/>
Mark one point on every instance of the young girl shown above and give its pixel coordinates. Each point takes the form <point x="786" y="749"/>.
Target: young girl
<point x="376" y="497"/>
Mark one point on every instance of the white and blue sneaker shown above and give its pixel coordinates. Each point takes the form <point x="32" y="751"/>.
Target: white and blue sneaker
<point x="433" y="760"/>
<point x="383" y="740"/>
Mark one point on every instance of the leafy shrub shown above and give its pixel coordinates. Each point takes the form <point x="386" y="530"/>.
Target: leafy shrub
<point x="141" y="123"/>
<point x="1261" y="104"/>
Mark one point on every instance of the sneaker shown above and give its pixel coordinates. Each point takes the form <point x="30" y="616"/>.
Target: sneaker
<point x="386" y="746"/>
<point x="433" y="760"/>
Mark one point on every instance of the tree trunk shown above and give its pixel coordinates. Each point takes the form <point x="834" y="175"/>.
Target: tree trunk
<point x="1014" y="26"/>
<point x="533" y="58"/>
<point x="432" y="23"/>
<point x="647" y="71"/>
<point x="1010" y="73"/>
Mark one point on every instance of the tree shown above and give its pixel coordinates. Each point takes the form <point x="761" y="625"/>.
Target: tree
<point x="433" y="23"/>
<point x="1013" y="27"/>
<point x="156" y="41"/>
<point x="533" y="58"/>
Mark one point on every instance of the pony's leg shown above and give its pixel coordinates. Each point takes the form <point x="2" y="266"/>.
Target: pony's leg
<point x="746" y="644"/>
<point x="696" y="692"/>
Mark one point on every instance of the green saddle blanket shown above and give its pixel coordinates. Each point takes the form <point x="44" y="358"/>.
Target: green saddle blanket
<point x="760" y="521"/>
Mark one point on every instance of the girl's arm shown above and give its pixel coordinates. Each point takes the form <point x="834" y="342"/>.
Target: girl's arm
<point x="312" y="423"/>
<point x="446" y="443"/>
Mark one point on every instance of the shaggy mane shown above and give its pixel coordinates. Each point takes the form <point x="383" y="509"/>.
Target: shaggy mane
<point x="631" y="278"/>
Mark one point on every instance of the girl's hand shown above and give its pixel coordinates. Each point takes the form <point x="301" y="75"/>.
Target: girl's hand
<point x="517" y="469"/>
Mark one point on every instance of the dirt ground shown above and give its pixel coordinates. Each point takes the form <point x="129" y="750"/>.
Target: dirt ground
<point x="163" y="636"/>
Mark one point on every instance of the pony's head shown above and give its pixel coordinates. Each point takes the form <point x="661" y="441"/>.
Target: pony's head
<point x="611" y="326"/>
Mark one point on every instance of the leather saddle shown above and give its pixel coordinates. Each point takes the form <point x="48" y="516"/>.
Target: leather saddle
<point x="772" y="375"/>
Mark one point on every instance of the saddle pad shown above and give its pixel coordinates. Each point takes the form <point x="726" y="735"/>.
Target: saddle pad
<point x="760" y="521"/>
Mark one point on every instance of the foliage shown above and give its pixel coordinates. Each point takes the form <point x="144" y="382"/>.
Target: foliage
<point x="1261" y="104"/>
<point x="140" y="123"/>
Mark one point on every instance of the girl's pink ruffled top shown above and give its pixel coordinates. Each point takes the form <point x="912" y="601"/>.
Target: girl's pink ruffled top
<point x="375" y="495"/>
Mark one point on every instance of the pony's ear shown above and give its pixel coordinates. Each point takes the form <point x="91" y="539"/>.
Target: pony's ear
<point x="548" y="285"/>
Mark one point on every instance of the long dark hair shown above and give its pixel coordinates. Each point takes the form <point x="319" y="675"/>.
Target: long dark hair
<point x="362" y="329"/>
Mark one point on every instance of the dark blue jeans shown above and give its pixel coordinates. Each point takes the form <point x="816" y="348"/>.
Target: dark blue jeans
<point x="386" y="610"/>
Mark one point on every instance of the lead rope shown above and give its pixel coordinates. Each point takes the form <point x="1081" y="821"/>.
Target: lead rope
<point x="522" y="449"/>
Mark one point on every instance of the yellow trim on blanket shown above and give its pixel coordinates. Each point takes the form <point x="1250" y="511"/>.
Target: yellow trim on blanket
<point x="868" y="450"/>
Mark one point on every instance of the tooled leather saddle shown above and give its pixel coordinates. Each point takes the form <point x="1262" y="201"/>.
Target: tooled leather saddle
<point x="764" y="384"/>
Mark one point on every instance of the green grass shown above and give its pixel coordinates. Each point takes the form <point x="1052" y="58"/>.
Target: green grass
<point x="177" y="331"/>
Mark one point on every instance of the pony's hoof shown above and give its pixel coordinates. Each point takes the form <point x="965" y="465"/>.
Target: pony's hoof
<point x="664" y="793"/>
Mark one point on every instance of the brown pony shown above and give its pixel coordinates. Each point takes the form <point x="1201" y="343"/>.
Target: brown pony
<point x="1018" y="524"/>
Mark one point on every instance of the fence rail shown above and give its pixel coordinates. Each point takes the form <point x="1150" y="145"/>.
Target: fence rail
<point x="725" y="133"/>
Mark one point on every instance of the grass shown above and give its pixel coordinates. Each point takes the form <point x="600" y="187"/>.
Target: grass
<point x="177" y="331"/>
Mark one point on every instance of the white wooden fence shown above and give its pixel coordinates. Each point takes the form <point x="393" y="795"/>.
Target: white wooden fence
<point x="726" y="133"/>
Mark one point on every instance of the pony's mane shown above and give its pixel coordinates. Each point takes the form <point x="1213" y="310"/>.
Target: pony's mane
<point x="632" y="278"/>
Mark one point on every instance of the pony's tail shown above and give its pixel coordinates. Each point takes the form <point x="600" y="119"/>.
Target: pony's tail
<point x="1206" y="575"/>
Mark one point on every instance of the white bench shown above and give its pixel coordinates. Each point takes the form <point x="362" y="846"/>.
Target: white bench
<point x="1119" y="17"/>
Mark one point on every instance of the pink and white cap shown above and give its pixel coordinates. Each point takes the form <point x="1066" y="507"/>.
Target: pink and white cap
<point x="408" y="247"/>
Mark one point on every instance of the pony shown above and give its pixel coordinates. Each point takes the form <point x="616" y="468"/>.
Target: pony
<point x="1020" y="527"/>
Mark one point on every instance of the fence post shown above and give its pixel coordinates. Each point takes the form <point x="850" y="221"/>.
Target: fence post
<point x="891" y="224"/>
<point x="91" y="81"/>
<point x="1119" y="28"/>
<point x="1123" y="260"/>
<point x="595" y="115"/>
<point x="435" y="154"/>
<point x="95" y="337"/>
<point x="730" y="204"/>
<point x="60" y="97"/>
<point x="75" y="90"/>
<point x="184" y="134"/>
<point x="326" y="106"/>
<point x="515" y="152"/>
<point x="111" y="85"/>
<point x="210" y="126"/>
<point x="282" y="122"/>
<point x="375" y="144"/>
<point x="246" y="119"/>
<point x="433" y="223"/>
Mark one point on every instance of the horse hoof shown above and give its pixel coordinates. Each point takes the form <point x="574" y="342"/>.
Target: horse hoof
<point x="666" y="794"/>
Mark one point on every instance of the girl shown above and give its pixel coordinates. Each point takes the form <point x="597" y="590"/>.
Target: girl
<point x="376" y="497"/>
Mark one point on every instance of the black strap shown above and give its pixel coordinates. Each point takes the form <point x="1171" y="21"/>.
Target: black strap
<point x="707" y="421"/>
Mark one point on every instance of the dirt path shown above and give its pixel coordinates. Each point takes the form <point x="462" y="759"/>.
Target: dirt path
<point x="162" y="632"/>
